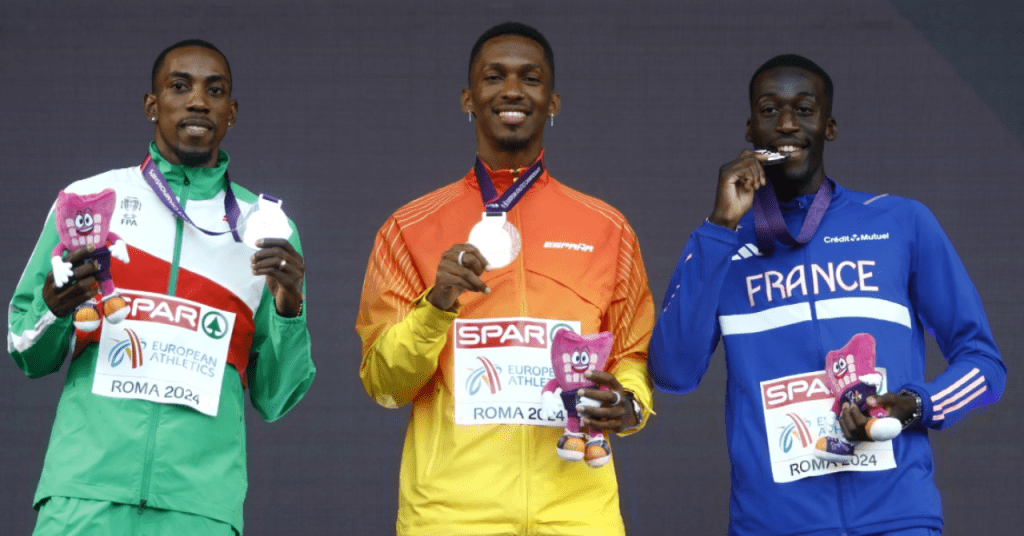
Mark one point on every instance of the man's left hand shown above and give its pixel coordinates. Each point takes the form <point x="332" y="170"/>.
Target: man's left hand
<point x="283" y="266"/>
<point x="610" y="415"/>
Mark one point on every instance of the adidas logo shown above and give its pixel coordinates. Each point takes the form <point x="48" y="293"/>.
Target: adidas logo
<point x="749" y="250"/>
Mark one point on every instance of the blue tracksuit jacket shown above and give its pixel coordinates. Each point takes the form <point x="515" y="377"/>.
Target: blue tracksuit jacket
<point x="877" y="264"/>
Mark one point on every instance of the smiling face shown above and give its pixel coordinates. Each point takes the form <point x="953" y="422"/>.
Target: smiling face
<point x="191" y="105"/>
<point x="791" y="114"/>
<point x="511" y="95"/>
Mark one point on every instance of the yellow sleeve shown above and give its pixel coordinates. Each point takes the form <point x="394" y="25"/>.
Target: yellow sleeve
<point x="402" y="333"/>
<point x="631" y="318"/>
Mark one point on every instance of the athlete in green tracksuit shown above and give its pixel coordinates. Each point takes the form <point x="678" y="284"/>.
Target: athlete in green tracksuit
<point x="132" y="466"/>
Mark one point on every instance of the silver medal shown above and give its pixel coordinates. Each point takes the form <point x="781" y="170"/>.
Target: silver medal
<point x="264" y="220"/>
<point x="497" y="239"/>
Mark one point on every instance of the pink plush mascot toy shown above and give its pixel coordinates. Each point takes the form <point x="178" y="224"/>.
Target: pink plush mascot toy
<point x="82" y="220"/>
<point x="573" y="355"/>
<point x="851" y="376"/>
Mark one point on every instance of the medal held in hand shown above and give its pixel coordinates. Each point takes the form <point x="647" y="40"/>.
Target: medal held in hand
<point x="265" y="220"/>
<point x="496" y="238"/>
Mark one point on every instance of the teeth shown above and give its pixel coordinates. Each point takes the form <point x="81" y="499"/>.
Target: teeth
<point x="512" y="115"/>
<point x="196" y="129"/>
<point x="788" y="149"/>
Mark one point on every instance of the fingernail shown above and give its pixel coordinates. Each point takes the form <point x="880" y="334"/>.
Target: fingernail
<point x="487" y="290"/>
<point x="588" y="374"/>
<point x="259" y="242"/>
<point x="579" y="407"/>
<point x="488" y="267"/>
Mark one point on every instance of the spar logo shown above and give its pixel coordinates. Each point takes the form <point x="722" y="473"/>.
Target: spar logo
<point x="795" y="389"/>
<point x="487" y="374"/>
<point x="798" y="430"/>
<point x="130" y="348"/>
<point x="163" y="310"/>
<point x="522" y="333"/>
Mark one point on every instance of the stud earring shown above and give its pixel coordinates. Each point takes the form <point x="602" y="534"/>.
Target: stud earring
<point x="152" y="120"/>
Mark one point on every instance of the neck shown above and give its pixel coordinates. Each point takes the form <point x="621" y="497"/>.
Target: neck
<point x="787" y="188"/>
<point x="499" y="159"/>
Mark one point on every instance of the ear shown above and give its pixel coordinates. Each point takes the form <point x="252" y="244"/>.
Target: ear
<point x="555" y="105"/>
<point x="749" y="138"/>
<point x="466" y="101"/>
<point x="233" y="116"/>
<point x="831" y="129"/>
<point x="150" y="107"/>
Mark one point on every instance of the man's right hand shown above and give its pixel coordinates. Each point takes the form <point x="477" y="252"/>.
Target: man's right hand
<point x="454" y="278"/>
<point x="81" y="285"/>
<point x="737" y="182"/>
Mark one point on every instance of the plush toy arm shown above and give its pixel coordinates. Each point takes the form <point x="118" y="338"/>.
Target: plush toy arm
<point x="550" y="405"/>
<point x="120" y="251"/>
<point x="61" y="271"/>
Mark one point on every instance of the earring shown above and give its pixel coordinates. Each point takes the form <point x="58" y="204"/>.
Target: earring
<point x="469" y="115"/>
<point x="152" y="120"/>
<point x="552" y="119"/>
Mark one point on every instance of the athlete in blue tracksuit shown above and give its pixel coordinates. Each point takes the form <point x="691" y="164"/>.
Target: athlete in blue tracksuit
<point x="876" y="264"/>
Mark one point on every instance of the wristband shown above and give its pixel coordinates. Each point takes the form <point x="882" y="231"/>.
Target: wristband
<point x="918" y="409"/>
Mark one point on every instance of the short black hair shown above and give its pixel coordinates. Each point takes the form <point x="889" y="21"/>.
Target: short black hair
<point x="159" y="63"/>
<point x="513" y="28"/>
<point x="793" y="60"/>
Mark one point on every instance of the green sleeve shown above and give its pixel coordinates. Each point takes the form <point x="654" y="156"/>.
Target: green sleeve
<point x="36" y="339"/>
<point x="281" y="367"/>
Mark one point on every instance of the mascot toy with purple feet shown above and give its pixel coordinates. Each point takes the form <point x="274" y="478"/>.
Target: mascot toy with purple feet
<point x="851" y="376"/>
<point x="572" y="356"/>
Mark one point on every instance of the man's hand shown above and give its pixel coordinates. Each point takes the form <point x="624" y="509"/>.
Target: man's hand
<point x="853" y="421"/>
<point x="454" y="278"/>
<point x="610" y="415"/>
<point x="79" y="285"/>
<point x="737" y="182"/>
<point x="285" y="271"/>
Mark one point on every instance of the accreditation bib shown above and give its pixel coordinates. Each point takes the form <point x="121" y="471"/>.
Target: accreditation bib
<point x="167" y="350"/>
<point x="500" y="367"/>
<point x="797" y="411"/>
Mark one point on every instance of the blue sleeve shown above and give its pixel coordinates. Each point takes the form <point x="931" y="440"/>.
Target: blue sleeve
<point x="950" y="307"/>
<point x="687" y="332"/>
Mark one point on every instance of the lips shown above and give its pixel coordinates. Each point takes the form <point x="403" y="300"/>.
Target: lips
<point x="512" y="117"/>
<point x="196" y="126"/>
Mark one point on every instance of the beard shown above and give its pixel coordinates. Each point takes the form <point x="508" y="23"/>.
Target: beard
<point x="513" y="144"/>
<point x="193" y="157"/>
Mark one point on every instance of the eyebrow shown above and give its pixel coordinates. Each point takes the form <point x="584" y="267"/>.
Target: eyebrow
<point x="801" y="94"/>
<point x="211" y="78"/>
<point x="523" y="67"/>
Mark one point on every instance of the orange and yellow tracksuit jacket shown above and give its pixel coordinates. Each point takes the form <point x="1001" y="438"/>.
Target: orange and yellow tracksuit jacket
<point x="580" y="261"/>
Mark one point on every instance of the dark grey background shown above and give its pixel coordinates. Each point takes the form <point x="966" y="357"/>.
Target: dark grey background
<point x="348" y="110"/>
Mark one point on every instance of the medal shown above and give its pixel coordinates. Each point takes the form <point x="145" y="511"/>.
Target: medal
<point x="265" y="220"/>
<point x="497" y="239"/>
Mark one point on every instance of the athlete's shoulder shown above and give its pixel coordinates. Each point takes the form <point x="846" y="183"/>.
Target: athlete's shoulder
<point x="884" y="202"/>
<point x="588" y="203"/>
<point x="430" y="204"/>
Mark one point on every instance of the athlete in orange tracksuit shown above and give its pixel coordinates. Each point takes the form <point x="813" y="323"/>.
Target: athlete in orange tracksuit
<point x="500" y="479"/>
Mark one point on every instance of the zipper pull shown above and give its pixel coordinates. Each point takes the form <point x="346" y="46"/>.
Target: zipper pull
<point x="142" y="505"/>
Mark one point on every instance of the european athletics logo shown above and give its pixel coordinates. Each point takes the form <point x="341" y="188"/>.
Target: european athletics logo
<point x="800" y="429"/>
<point x="488" y="374"/>
<point x="132" y="347"/>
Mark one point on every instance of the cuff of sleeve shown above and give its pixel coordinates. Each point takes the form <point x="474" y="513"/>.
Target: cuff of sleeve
<point x="926" y="400"/>
<point x="717" y="232"/>
<point x="434" y="320"/>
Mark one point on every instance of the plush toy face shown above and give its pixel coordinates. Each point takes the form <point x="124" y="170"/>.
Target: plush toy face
<point x="845" y="366"/>
<point x="573" y="355"/>
<point x="84" y="219"/>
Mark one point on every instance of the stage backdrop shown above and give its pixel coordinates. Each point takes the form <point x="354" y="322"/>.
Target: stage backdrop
<point x="349" y="109"/>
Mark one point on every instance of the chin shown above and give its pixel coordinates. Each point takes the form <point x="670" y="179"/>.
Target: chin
<point x="193" y="157"/>
<point x="512" y="145"/>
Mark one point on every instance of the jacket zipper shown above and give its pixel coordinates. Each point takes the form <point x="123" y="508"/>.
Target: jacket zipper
<point x="154" y="422"/>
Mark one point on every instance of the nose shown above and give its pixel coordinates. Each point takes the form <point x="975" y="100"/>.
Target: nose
<point x="786" y="122"/>
<point x="197" y="99"/>
<point x="512" y="89"/>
